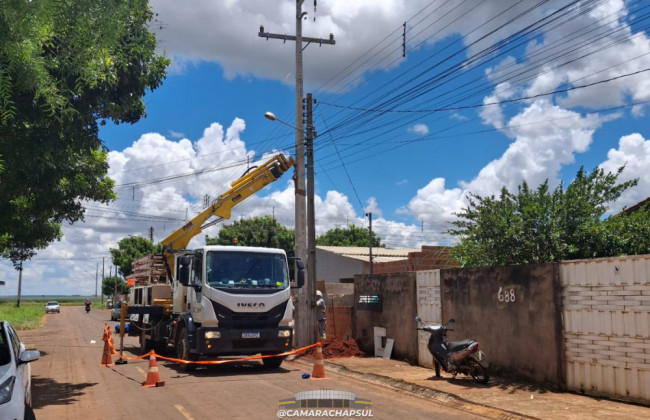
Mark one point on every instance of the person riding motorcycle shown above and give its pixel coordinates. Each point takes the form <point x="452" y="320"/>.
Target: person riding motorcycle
<point x="87" y="303"/>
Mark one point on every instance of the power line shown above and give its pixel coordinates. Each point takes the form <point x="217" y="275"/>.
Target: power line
<point x="505" y="101"/>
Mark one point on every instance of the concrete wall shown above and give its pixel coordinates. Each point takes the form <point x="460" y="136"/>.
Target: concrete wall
<point x="332" y="267"/>
<point x="513" y="312"/>
<point x="397" y="314"/>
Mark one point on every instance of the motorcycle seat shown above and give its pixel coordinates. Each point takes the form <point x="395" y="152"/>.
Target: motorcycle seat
<point x="459" y="345"/>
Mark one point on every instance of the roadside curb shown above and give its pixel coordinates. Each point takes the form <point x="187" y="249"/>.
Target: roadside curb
<point x="430" y="393"/>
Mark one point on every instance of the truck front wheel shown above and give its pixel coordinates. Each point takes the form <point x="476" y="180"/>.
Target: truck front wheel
<point x="183" y="351"/>
<point x="272" y="362"/>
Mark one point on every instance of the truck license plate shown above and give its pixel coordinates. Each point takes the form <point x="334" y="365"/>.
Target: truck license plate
<point x="255" y="334"/>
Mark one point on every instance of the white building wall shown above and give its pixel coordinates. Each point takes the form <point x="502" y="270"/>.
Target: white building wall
<point x="332" y="267"/>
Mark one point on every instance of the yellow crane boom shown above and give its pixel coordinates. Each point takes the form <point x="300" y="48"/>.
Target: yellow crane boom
<point x="242" y="188"/>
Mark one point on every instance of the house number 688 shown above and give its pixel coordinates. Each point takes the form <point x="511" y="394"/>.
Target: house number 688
<point x="506" y="295"/>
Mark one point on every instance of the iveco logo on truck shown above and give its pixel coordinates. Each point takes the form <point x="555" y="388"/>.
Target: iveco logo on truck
<point x="250" y="304"/>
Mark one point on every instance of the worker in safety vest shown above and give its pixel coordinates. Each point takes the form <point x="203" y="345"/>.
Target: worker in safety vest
<point x="322" y="319"/>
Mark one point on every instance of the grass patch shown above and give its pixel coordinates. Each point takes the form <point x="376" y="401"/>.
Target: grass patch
<point x="27" y="317"/>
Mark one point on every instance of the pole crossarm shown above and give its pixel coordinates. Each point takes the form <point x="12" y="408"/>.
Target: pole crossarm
<point x="319" y="41"/>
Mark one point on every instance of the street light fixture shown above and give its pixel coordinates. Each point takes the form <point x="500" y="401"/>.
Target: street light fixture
<point x="271" y="116"/>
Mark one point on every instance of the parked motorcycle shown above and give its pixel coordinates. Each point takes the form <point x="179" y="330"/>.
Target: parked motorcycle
<point x="456" y="356"/>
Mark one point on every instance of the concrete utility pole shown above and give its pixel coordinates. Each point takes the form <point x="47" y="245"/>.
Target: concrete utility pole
<point x="370" y="242"/>
<point x="102" y="293"/>
<point x="311" y="221"/>
<point x="306" y="301"/>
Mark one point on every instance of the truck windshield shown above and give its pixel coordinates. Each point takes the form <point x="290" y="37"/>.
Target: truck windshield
<point x="246" y="270"/>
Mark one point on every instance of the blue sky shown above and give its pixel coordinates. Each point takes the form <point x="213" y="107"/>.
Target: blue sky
<point x="489" y="94"/>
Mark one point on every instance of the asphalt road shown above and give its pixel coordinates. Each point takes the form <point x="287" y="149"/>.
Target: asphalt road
<point x="70" y="383"/>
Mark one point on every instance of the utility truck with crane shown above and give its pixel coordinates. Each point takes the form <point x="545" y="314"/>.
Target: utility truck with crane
<point x="217" y="301"/>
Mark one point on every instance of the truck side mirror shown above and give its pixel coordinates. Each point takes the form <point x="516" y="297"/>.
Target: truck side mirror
<point x="297" y="274"/>
<point x="184" y="270"/>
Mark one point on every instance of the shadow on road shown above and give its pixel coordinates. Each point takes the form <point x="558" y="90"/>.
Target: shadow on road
<point x="461" y="380"/>
<point x="47" y="391"/>
<point x="228" y="369"/>
<point x="503" y="384"/>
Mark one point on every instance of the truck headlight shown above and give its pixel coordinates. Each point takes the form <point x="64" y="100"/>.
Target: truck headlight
<point x="212" y="334"/>
<point x="284" y="333"/>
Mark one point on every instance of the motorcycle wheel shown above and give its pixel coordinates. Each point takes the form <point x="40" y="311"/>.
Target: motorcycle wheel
<point x="479" y="373"/>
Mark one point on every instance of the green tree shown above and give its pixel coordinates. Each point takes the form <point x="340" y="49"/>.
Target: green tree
<point x="130" y="249"/>
<point x="537" y="226"/>
<point x="262" y="231"/>
<point x="350" y="236"/>
<point x="626" y="234"/>
<point x="65" y="68"/>
<point x="109" y="285"/>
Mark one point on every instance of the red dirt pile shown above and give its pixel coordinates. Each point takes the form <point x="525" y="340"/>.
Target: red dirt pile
<point x="335" y="347"/>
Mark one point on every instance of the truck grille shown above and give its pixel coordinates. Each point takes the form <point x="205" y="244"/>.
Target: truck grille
<point x="247" y="344"/>
<point x="239" y="320"/>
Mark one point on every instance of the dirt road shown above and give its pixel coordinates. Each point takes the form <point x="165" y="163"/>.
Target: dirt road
<point x="69" y="383"/>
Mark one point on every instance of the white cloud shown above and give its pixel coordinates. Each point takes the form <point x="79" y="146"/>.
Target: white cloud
<point x="545" y="138"/>
<point x="609" y="49"/>
<point x="373" y="207"/>
<point x="165" y="206"/>
<point x="434" y="204"/>
<point x="491" y="113"/>
<point x="188" y="34"/>
<point x="421" y="129"/>
<point x="176" y="135"/>
<point x="634" y="153"/>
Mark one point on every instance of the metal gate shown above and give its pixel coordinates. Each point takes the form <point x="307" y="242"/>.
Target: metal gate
<point x="429" y="309"/>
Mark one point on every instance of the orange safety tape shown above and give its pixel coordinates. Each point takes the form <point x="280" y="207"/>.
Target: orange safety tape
<point x="218" y="362"/>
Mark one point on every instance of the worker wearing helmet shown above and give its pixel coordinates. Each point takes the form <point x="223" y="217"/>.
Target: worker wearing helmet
<point x="322" y="319"/>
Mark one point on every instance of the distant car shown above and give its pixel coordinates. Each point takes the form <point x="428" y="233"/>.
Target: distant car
<point x="116" y="311"/>
<point x="52" y="306"/>
<point x="15" y="375"/>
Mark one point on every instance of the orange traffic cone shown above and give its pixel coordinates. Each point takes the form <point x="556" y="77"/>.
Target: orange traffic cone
<point x="319" y="365"/>
<point x="107" y="360"/>
<point x="153" y="379"/>
<point x="111" y="343"/>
